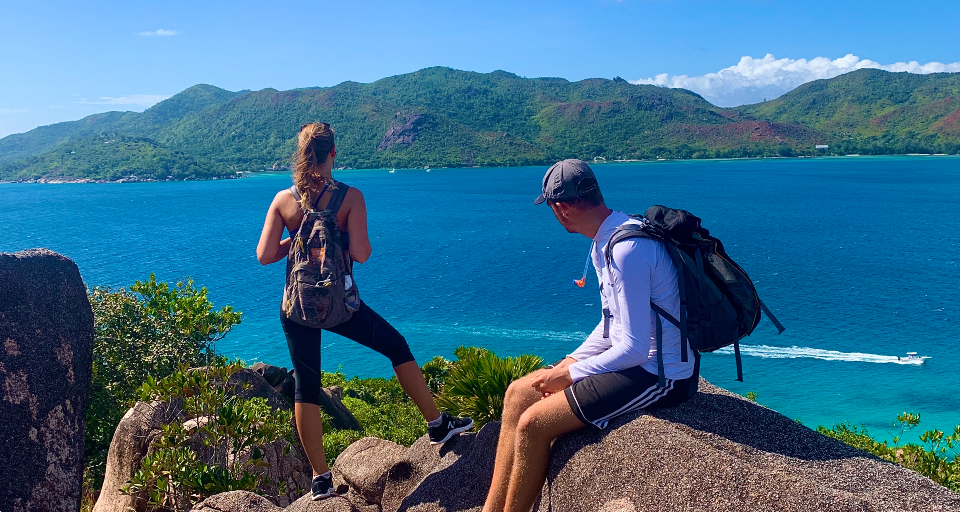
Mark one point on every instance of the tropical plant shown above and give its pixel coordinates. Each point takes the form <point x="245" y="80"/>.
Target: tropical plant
<point x="475" y="384"/>
<point x="435" y="372"/>
<point x="937" y="458"/>
<point x="211" y="444"/>
<point x="146" y="331"/>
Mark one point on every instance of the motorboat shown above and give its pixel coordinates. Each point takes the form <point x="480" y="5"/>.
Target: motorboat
<point x="912" y="358"/>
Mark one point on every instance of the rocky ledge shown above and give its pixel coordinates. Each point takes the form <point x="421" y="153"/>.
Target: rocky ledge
<point x="717" y="452"/>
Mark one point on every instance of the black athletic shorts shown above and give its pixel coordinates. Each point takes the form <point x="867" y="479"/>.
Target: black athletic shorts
<point x="597" y="399"/>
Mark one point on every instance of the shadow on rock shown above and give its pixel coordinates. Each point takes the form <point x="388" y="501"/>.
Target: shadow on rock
<point x="462" y="478"/>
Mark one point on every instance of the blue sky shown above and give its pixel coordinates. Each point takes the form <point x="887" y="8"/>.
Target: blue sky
<point x="64" y="60"/>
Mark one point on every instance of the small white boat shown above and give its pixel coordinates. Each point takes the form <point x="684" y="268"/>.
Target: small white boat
<point x="912" y="358"/>
<point x="393" y="170"/>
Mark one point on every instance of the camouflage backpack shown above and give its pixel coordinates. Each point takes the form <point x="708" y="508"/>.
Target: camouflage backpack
<point x="320" y="291"/>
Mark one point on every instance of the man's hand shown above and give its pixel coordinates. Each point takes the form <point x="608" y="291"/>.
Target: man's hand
<point x="549" y="381"/>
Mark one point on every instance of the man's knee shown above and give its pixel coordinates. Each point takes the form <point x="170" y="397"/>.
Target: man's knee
<point x="530" y="425"/>
<point x="518" y="398"/>
<point x="520" y="393"/>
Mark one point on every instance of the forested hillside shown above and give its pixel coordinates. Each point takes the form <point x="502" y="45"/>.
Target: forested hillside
<point x="444" y="117"/>
<point x="872" y="111"/>
<point x="112" y="157"/>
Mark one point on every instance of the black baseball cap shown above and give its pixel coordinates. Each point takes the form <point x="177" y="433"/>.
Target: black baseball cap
<point x="567" y="180"/>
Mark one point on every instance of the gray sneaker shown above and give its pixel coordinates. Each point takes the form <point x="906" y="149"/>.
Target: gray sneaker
<point x="449" y="427"/>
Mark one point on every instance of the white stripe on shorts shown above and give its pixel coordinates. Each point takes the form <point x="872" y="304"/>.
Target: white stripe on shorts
<point x="649" y="396"/>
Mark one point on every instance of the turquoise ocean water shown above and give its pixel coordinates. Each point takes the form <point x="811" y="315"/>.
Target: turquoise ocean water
<point x="858" y="257"/>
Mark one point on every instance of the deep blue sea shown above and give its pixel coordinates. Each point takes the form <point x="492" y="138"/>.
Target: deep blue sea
<point x="857" y="256"/>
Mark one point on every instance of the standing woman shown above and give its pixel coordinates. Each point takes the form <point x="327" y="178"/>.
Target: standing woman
<point x="313" y="188"/>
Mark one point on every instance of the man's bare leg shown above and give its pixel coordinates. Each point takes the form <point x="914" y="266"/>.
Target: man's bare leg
<point x="539" y="425"/>
<point x="520" y="396"/>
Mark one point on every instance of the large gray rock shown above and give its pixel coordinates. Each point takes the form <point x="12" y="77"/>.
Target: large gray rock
<point x="131" y="441"/>
<point x="235" y="501"/>
<point x="46" y="328"/>
<point x="331" y="401"/>
<point x="364" y="466"/>
<point x="460" y="479"/>
<point x="349" y="503"/>
<point x="410" y="470"/>
<point x="274" y="375"/>
<point x="719" y="451"/>
<point x="248" y="383"/>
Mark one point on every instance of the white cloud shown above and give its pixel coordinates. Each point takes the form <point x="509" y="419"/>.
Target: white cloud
<point x="753" y="80"/>
<point x="13" y="110"/>
<point x="141" y="100"/>
<point x="160" y="32"/>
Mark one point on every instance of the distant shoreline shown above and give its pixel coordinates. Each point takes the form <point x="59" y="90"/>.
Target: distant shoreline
<point x="245" y="174"/>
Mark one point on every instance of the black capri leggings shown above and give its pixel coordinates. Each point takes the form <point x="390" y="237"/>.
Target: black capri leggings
<point x="365" y="327"/>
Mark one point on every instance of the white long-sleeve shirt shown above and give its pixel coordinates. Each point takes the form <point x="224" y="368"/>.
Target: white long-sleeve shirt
<point x="640" y="271"/>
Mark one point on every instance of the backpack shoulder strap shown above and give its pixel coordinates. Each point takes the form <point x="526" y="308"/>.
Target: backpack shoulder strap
<point x="296" y="193"/>
<point x="624" y="232"/>
<point x="630" y="230"/>
<point x="336" y="200"/>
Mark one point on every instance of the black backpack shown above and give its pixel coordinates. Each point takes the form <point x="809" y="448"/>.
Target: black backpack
<point x="718" y="302"/>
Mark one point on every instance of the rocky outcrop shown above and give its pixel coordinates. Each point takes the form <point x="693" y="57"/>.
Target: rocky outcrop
<point x="331" y="401"/>
<point x="720" y="451"/>
<point x="277" y="376"/>
<point x="137" y="430"/>
<point x="459" y="480"/>
<point x="403" y="131"/>
<point x="236" y="501"/>
<point x="46" y="328"/>
<point x="363" y="466"/>
<point x="347" y="503"/>
<point x="717" y="452"/>
<point x="141" y="426"/>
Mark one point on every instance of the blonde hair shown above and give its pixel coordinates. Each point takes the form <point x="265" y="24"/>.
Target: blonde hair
<point x="313" y="147"/>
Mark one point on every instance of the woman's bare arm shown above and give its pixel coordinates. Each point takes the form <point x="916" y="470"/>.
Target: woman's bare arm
<point x="271" y="249"/>
<point x="357" y="226"/>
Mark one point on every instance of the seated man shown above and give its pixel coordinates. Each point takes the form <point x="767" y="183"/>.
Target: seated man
<point x="615" y="370"/>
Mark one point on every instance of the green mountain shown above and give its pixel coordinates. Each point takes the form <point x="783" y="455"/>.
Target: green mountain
<point x="445" y="117"/>
<point x="872" y="111"/>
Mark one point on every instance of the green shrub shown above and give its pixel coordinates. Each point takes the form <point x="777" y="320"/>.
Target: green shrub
<point x="472" y="385"/>
<point x="938" y="458"/>
<point x="475" y="384"/>
<point x="213" y="446"/>
<point x="146" y="331"/>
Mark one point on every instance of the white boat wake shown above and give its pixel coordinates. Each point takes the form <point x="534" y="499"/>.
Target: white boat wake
<point x="494" y="332"/>
<point x="768" y="352"/>
<point x="761" y="351"/>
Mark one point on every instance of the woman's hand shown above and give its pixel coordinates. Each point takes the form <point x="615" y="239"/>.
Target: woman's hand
<point x="552" y="380"/>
